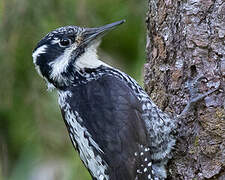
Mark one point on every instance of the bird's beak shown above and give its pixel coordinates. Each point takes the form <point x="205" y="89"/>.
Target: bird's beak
<point x="91" y="34"/>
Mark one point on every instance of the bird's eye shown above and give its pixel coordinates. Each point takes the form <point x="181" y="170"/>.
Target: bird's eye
<point x="65" y="42"/>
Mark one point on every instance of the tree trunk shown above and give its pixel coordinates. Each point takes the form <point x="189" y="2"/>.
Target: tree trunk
<point x="185" y="40"/>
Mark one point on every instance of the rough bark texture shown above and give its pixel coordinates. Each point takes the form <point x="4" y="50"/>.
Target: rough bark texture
<point x="185" y="40"/>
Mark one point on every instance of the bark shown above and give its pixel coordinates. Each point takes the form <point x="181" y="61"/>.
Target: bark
<point x="185" y="40"/>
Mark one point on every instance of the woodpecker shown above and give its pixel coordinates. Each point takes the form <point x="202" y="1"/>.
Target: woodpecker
<point x="118" y="131"/>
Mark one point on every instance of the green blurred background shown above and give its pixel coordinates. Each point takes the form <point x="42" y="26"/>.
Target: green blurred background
<point x="34" y="143"/>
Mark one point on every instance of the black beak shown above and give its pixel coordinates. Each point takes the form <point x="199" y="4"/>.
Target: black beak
<point x="91" y="34"/>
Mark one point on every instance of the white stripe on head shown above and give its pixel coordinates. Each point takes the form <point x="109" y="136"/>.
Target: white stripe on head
<point x="55" y="41"/>
<point x="38" y="51"/>
<point x="60" y="64"/>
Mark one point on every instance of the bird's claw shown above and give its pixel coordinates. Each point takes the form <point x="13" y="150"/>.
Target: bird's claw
<point x="197" y="98"/>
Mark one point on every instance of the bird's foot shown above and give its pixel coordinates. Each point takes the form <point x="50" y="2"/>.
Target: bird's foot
<point x="195" y="97"/>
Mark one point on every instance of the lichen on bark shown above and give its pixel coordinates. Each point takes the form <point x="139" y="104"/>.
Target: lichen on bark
<point x="185" y="40"/>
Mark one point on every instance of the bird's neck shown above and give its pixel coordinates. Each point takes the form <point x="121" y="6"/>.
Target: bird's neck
<point x="74" y="77"/>
<point x="89" y="59"/>
<point x="80" y="70"/>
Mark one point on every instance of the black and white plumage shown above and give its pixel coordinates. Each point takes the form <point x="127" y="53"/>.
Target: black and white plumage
<point x="118" y="131"/>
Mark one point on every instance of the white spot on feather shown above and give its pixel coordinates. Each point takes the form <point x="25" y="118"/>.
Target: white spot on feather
<point x="138" y="171"/>
<point x="149" y="164"/>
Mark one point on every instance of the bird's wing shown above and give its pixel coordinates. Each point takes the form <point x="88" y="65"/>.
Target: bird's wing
<point x="112" y="115"/>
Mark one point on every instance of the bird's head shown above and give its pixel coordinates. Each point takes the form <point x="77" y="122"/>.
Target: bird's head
<point x="68" y="49"/>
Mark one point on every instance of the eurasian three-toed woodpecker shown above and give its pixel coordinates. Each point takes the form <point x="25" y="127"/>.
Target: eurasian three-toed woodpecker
<point x="119" y="132"/>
